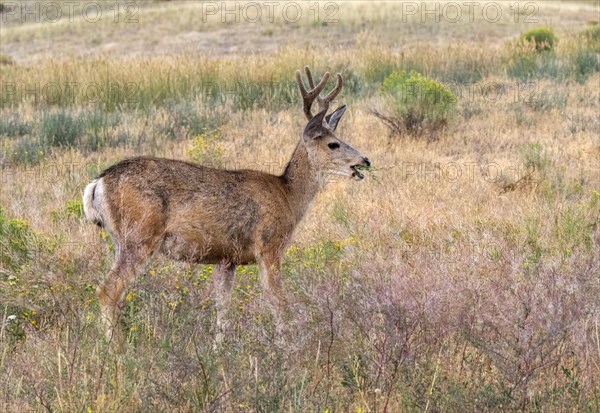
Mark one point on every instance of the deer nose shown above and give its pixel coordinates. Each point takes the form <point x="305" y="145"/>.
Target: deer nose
<point x="367" y="162"/>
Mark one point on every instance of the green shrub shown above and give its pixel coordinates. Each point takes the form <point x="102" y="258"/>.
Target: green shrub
<point x="28" y="150"/>
<point x="61" y="129"/>
<point x="521" y="65"/>
<point x="184" y="119"/>
<point x="525" y="62"/>
<point x="526" y="65"/>
<point x="88" y="130"/>
<point x="531" y="56"/>
<point x="98" y="126"/>
<point x="416" y="103"/>
<point x="206" y="149"/>
<point x="13" y="127"/>
<point x="591" y="37"/>
<point x="15" y="242"/>
<point x="72" y="210"/>
<point x="542" y="38"/>
<point x="585" y="63"/>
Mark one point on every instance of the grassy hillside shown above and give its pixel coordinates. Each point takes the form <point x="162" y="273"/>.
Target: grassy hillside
<point x="461" y="276"/>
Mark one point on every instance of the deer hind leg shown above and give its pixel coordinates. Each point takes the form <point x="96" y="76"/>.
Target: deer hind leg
<point x="128" y="263"/>
<point x="224" y="277"/>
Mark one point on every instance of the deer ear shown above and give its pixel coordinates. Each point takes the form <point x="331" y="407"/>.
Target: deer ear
<point x="314" y="128"/>
<point x="333" y="119"/>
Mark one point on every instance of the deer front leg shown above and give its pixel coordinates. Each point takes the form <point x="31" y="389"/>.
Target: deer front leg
<point x="224" y="276"/>
<point x="270" y="279"/>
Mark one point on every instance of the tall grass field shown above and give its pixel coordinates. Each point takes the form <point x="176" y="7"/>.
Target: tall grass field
<point x="462" y="275"/>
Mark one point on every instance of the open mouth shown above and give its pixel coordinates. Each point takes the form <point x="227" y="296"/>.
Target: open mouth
<point x="356" y="174"/>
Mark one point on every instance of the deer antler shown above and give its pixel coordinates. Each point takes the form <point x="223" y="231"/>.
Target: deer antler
<point x="309" y="96"/>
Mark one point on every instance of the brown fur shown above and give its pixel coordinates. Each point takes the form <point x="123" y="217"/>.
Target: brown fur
<point x="226" y="217"/>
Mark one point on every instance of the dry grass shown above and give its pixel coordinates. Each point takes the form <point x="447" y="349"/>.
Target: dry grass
<point x="464" y="278"/>
<point x="179" y="27"/>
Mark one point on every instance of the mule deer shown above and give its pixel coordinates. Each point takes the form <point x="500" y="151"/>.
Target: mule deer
<point x="224" y="217"/>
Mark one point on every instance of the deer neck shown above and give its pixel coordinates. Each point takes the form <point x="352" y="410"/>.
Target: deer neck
<point x="302" y="181"/>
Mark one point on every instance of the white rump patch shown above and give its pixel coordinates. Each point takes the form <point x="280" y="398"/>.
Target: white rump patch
<point x="92" y="195"/>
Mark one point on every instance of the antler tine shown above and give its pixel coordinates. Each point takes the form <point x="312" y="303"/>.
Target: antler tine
<point x="324" y="101"/>
<point x="309" y="96"/>
<point x="300" y="83"/>
<point x="306" y="101"/>
<point x="311" y="84"/>
<point x="333" y="94"/>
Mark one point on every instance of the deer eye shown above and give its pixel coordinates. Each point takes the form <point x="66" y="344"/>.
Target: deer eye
<point x="333" y="145"/>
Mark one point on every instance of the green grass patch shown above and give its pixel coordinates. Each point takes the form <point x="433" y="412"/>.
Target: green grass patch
<point x="61" y="129"/>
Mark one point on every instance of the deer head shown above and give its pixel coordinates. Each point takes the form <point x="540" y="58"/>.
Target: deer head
<point x="327" y="153"/>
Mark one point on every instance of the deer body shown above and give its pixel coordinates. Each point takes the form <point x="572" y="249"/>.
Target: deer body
<point x="199" y="214"/>
<point x="195" y="213"/>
